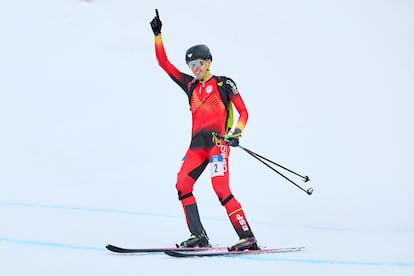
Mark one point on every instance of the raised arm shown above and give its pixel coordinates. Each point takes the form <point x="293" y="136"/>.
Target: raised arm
<point x="180" y="78"/>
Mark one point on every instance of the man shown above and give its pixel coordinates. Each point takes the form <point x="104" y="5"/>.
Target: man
<point x="211" y="99"/>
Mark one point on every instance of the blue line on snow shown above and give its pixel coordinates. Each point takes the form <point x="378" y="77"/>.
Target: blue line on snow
<point x="50" y="244"/>
<point x="75" y="208"/>
<point x="251" y="258"/>
<point x="100" y="210"/>
<point x="125" y="212"/>
<point x="330" y="262"/>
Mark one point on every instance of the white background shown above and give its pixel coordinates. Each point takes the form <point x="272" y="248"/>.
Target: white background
<point x="92" y="132"/>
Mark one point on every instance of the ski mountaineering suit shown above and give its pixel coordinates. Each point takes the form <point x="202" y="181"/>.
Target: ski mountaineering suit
<point x="210" y="103"/>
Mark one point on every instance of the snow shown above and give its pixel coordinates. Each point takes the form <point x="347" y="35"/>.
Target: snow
<point x="92" y="132"/>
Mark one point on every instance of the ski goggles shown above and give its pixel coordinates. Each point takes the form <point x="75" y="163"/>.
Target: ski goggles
<point x="196" y="63"/>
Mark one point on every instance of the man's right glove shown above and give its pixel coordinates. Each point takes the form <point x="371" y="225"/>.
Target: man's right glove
<point x="156" y="23"/>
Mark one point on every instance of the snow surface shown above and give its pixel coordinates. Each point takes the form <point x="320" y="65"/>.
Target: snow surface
<point x="92" y="132"/>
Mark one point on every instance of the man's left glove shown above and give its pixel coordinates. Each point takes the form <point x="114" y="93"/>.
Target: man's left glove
<point x="233" y="140"/>
<point x="156" y="23"/>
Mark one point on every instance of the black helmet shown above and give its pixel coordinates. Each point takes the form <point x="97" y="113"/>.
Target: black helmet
<point x="198" y="52"/>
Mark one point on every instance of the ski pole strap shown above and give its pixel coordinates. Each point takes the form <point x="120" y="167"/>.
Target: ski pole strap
<point x="218" y="138"/>
<point x="236" y="135"/>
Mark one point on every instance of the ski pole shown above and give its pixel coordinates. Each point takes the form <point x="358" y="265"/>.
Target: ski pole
<point x="304" y="178"/>
<point x="264" y="161"/>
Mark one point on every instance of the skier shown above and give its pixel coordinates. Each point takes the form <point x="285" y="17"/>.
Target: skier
<point x="211" y="99"/>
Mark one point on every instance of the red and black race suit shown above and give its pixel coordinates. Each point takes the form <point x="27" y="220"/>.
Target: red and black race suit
<point x="209" y="114"/>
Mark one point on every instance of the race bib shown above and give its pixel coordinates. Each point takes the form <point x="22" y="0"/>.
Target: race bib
<point x="216" y="165"/>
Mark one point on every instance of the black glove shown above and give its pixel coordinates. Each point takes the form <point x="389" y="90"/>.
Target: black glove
<point x="233" y="140"/>
<point x="156" y="23"/>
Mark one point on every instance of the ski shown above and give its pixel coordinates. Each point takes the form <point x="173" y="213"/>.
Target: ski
<point x="212" y="252"/>
<point x="122" y="250"/>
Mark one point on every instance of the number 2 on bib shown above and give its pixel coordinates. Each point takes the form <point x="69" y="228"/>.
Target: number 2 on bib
<point x="216" y="165"/>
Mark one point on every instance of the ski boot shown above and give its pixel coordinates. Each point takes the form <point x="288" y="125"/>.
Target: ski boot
<point x="245" y="244"/>
<point x="196" y="241"/>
